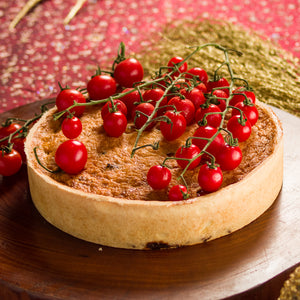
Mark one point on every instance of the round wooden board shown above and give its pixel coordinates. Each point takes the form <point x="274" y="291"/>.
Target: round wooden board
<point x="39" y="261"/>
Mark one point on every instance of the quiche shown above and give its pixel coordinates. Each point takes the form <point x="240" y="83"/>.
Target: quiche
<point x="110" y="202"/>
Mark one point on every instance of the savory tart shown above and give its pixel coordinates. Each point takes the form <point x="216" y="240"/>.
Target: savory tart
<point x="166" y="162"/>
<point x="110" y="202"/>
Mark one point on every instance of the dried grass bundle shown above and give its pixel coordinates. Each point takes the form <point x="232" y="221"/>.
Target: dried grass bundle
<point x="272" y="72"/>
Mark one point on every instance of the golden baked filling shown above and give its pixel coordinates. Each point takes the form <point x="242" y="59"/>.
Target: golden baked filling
<point x="110" y="170"/>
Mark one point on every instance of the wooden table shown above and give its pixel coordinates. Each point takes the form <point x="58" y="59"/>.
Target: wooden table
<point x="39" y="261"/>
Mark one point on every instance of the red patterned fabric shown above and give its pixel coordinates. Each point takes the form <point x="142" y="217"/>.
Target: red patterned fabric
<point x="42" y="51"/>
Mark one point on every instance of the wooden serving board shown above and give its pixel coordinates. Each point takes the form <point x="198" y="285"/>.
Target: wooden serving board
<point x="39" y="261"/>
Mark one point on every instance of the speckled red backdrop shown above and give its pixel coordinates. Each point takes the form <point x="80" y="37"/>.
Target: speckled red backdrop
<point x="42" y="51"/>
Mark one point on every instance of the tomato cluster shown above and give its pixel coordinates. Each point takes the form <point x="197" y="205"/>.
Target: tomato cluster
<point x="172" y="102"/>
<point x="71" y="155"/>
<point x="213" y="148"/>
<point x="12" y="153"/>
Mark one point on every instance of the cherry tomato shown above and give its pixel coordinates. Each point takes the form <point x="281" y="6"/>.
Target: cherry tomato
<point x="18" y="142"/>
<point x="159" y="177"/>
<point x="222" y="82"/>
<point x="213" y="120"/>
<point x="221" y="102"/>
<point x="229" y="157"/>
<point x="172" y="131"/>
<point x="201" y="87"/>
<point x="200" y="73"/>
<point x="71" y="127"/>
<point x="154" y="95"/>
<point x="185" y="107"/>
<point x="120" y="106"/>
<point x="208" y="132"/>
<point x="238" y="130"/>
<point x="115" y="124"/>
<point x="10" y="163"/>
<point x="195" y="95"/>
<point x="128" y="72"/>
<point x="177" y="193"/>
<point x="210" y="178"/>
<point x="101" y="87"/>
<point x="174" y="90"/>
<point x="176" y="60"/>
<point x="141" y="119"/>
<point x="250" y="112"/>
<point x="19" y="146"/>
<point x="7" y="130"/>
<point x="66" y="99"/>
<point x="189" y="153"/>
<point x="71" y="156"/>
<point x="130" y="100"/>
<point x="240" y="98"/>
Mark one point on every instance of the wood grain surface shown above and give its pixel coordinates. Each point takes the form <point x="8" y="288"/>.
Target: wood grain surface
<point x="38" y="261"/>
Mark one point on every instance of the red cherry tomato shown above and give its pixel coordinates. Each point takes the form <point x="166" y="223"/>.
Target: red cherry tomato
<point x="19" y="147"/>
<point x="208" y="132"/>
<point x="200" y="73"/>
<point x="71" y="127"/>
<point x="250" y="112"/>
<point x="18" y="142"/>
<point x="222" y="82"/>
<point x="10" y="163"/>
<point x="159" y="177"/>
<point x="7" y="130"/>
<point x="222" y="102"/>
<point x="115" y="124"/>
<point x="139" y="118"/>
<point x="155" y="95"/>
<point x="130" y="100"/>
<point x="177" y="193"/>
<point x="128" y="72"/>
<point x="238" y="130"/>
<point x="120" y="106"/>
<point x="185" y="107"/>
<point x="202" y="87"/>
<point x="101" y="87"/>
<point x="210" y="178"/>
<point x="229" y="157"/>
<point x="195" y="95"/>
<point x="172" y="131"/>
<point x="213" y="120"/>
<point x="71" y="156"/>
<point x="240" y="98"/>
<point x="176" y="60"/>
<point x="188" y="153"/>
<point x="66" y="99"/>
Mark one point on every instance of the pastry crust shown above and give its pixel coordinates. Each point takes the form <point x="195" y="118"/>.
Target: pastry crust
<point x="140" y="224"/>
